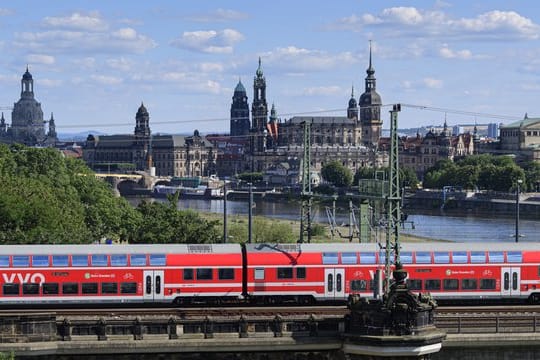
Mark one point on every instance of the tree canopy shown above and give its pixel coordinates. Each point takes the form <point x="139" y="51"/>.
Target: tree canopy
<point x="336" y="174"/>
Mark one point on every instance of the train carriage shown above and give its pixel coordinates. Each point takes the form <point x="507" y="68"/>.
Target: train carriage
<point x="305" y="273"/>
<point x="119" y="273"/>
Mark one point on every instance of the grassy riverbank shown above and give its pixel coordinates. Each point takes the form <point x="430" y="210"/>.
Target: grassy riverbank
<point x="281" y="230"/>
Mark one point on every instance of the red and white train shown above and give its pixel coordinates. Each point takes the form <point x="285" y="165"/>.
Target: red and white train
<point x="269" y="273"/>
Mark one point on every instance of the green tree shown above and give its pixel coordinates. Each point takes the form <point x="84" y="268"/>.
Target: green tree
<point x="335" y="173"/>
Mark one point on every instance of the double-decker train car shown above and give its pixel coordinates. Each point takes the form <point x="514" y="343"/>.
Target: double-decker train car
<point x="261" y="273"/>
<point x="119" y="273"/>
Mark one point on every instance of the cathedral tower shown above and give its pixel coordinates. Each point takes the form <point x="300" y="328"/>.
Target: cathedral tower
<point x="370" y="109"/>
<point x="352" y="110"/>
<point x="259" y="110"/>
<point x="142" y="149"/>
<point x="240" y="111"/>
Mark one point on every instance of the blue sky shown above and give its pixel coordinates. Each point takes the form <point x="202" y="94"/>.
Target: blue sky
<point x="93" y="62"/>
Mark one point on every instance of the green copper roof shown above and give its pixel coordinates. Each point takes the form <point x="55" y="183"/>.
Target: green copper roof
<point x="522" y="123"/>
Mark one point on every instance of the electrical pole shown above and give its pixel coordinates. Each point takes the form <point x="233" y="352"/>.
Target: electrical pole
<point x="306" y="195"/>
<point x="517" y="209"/>
<point x="393" y="200"/>
<point x="225" y="212"/>
<point x="250" y="214"/>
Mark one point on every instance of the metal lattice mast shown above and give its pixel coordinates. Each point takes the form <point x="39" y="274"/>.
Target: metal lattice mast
<point x="393" y="201"/>
<point x="305" y="216"/>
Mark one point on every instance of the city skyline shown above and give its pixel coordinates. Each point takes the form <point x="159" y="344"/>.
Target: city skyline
<point x="94" y="62"/>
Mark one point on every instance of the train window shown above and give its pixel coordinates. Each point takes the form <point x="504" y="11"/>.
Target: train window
<point x="514" y="280"/>
<point x="450" y="284"/>
<point x="188" y="274"/>
<point x="30" y="289"/>
<point x="89" y="288"/>
<point x="414" y="284"/>
<point x="423" y="257"/>
<point x="487" y="284"/>
<point x="4" y="260"/>
<point x="358" y="285"/>
<point x="50" y="288"/>
<point x="40" y="261"/>
<point x="99" y="260"/>
<point x="338" y="282"/>
<point x="137" y="260"/>
<point x="478" y="257"/>
<point x="348" y="258"/>
<point x="204" y="274"/>
<point x="495" y="256"/>
<point x="226" y="274"/>
<point x="79" y="260"/>
<point x="109" y="288"/>
<point x="459" y="257"/>
<point x="119" y="260"/>
<point x="301" y="273"/>
<point x="441" y="257"/>
<point x="128" y="288"/>
<point x="158" y="284"/>
<point x="70" y="288"/>
<point x="469" y="284"/>
<point x="330" y="258"/>
<point x="367" y="258"/>
<point x="406" y="257"/>
<point x="284" y="273"/>
<point x="514" y="257"/>
<point x="148" y="284"/>
<point x="10" y="289"/>
<point x="60" y="260"/>
<point x="157" y="259"/>
<point x="259" y="274"/>
<point x="21" y="260"/>
<point x="433" y="284"/>
<point x="330" y="282"/>
<point x="382" y="257"/>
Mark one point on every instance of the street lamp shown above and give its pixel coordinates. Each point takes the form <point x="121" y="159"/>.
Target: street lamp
<point x="519" y="181"/>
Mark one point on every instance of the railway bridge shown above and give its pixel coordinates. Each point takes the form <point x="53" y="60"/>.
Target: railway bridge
<point x="133" y="184"/>
<point x="250" y="333"/>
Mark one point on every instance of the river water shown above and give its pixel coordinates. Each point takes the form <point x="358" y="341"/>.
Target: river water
<point x="438" y="226"/>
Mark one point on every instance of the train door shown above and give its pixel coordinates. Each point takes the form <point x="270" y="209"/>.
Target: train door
<point x="153" y="285"/>
<point x="334" y="283"/>
<point x="510" y="281"/>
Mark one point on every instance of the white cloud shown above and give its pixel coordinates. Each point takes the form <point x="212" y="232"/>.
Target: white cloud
<point x="448" y="53"/>
<point x="5" y="12"/>
<point x="40" y="59"/>
<point x="121" y="63"/>
<point x="209" y="41"/>
<point x="63" y="41"/>
<point x="322" y="90"/>
<point x="432" y="83"/>
<point x="85" y="63"/>
<point x="414" y="22"/>
<point x="298" y="60"/>
<point x="106" y="80"/>
<point x="50" y="82"/>
<point x="211" y="67"/>
<point x="219" y="15"/>
<point x="77" y="21"/>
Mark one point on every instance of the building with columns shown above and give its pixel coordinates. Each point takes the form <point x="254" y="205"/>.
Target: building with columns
<point x="169" y="155"/>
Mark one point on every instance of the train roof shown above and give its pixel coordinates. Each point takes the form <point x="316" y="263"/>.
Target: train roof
<point x="120" y="249"/>
<point x="373" y="247"/>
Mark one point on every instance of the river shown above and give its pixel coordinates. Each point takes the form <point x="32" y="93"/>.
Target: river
<point x="438" y="226"/>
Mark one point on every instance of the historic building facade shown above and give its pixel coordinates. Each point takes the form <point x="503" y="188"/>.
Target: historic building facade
<point x="422" y="152"/>
<point x="169" y="155"/>
<point x="27" y="124"/>
<point x="520" y="138"/>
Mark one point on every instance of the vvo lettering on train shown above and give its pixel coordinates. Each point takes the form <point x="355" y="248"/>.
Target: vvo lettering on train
<point x="23" y="278"/>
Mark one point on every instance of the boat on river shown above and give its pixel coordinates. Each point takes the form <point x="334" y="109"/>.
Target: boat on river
<point x="186" y="192"/>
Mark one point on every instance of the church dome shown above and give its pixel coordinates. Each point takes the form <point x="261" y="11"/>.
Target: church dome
<point x="142" y="110"/>
<point x="352" y="103"/>
<point x="240" y="88"/>
<point x="27" y="75"/>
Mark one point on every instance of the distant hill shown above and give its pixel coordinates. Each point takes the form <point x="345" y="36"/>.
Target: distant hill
<point x="80" y="136"/>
